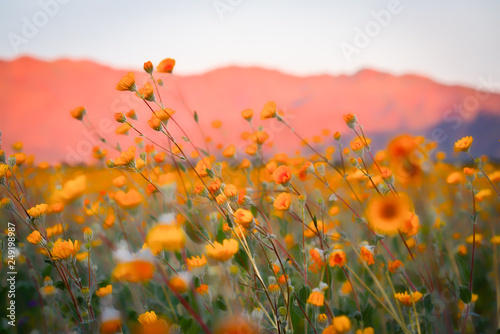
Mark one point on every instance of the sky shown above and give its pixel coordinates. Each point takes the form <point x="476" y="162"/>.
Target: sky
<point x="450" y="41"/>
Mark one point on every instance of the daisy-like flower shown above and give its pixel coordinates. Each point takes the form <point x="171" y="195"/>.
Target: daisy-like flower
<point x="222" y="252"/>
<point x="65" y="249"/>
<point x="464" y="144"/>
<point x="337" y="258"/>
<point x="406" y="299"/>
<point x="316" y="298"/>
<point x="269" y="111"/>
<point x="127" y="83"/>
<point x="387" y="214"/>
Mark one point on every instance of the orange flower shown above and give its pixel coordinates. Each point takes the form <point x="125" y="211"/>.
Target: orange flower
<point x="180" y="283"/>
<point x="357" y="145"/>
<point x="244" y="218"/>
<point x="350" y="120"/>
<point x="146" y="92"/>
<point x="282" y="202"/>
<point x="133" y="271"/>
<point x="247" y="114"/>
<point x="337" y="258"/>
<point x="202" y="166"/>
<point x="229" y="151"/>
<point x="148" y="67"/>
<point x="387" y="214"/>
<point x="164" y="114"/>
<point x="259" y="137"/>
<point x="245" y="163"/>
<point x="282" y="175"/>
<point x="269" y="111"/>
<point x="317" y="260"/>
<point x="127" y="83"/>
<point x="231" y="192"/>
<point x="154" y="123"/>
<point x="337" y="136"/>
<point x="166" y="237"/>
<point x="340" y="324"/>
<point x="463" y="145"/>
<point x="367" y="256"/>
<point x="78" y="113"/>
<point x="128" y="200"/>
<point x="410" y="225"/>
<point x="306" y="168"/>
<point x="65" y="249"/>
<point x="251" y="149"/>
<point x="166" y="65"/>
<point x="316" y="298"/>
<point x="222" y="252"/>
<point x="312" y="231"/>
<point x="236" y="325"/>
<point x="394" y="265"/>
<point x="38" y="211"/>
<point x="195" y="263"/>
<point x="216" y="124"/>
<point x="406" y="299"/>
<point x="123" y="129"/>
<point x="202" y="289"/>
<point x="35" y="238"/>
<point x="102" y="292"/>
<point x="120" y="117"/>
<point x="126" y="158"/>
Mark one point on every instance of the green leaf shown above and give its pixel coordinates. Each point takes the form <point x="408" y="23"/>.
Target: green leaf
<point x="210" y="173"/>
<point x="47" y="270"/>
<point x="60" y="285"/>
<point x="465" y="294"/>
<point x="219" y="303"/>
<point x="254" y="211"/>
<point x="304" y="293"/>
<point x="196" y="117"/>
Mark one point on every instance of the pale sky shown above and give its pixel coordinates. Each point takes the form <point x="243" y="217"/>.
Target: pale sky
<point x="451" y="41"/>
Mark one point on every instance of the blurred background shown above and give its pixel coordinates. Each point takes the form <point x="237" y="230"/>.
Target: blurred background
<point x="421" y="67"/>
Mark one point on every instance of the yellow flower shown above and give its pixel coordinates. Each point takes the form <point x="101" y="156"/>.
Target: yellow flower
<point x="166" y="237"/>
<point x="463" y="145"/>
<point x="406" y="299"/>
<point x="104" y="291"/>
<point x="495" y="240"/>
<point x="38" y="211"/>
<point x="127" y="83"/>
<point x="65" y="249"/>
<point x="316" y="298"/>
<point x="259" y="137"/>
<point x="340" y="324"/>
<point x="367" y="330"/>
<point x="269" y="111"/>
<point x="180" y="283"/>
<point x="222" y="252"/>
<point x="148" y="318"/>
<point x="195" y="262"/>
<point x="479" y="239"/>
<point x="35" y="238"/>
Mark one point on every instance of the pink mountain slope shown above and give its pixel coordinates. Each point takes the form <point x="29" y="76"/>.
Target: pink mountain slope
<point x="37" y="96"/>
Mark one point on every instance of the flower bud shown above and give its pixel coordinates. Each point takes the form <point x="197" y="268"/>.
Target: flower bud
<point x="148" y="67"/>
<point x="120" y="117"/>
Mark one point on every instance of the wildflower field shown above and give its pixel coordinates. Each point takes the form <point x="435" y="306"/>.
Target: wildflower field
<point x="171" y="235"/>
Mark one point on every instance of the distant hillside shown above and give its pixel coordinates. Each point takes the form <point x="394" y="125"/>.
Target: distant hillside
<point x="36" y="97"/>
